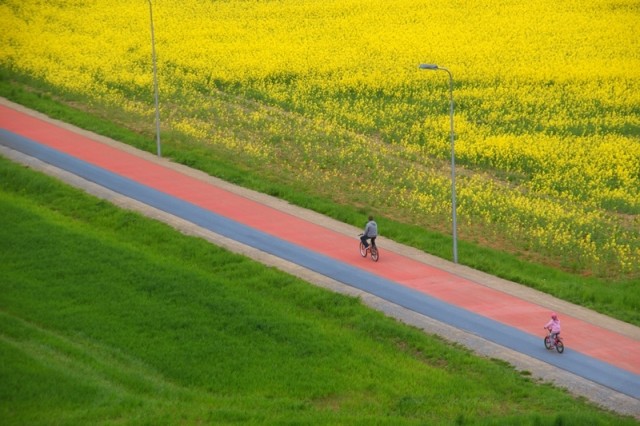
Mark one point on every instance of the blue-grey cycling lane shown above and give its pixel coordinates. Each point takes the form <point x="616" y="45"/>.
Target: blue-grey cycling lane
<point x="585" y="366"/>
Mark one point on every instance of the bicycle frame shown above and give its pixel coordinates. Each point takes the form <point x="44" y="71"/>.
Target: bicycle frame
<point x="373" y="249"/>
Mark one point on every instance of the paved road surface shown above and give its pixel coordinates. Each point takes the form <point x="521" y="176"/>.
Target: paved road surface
<point x="493" y="317"/>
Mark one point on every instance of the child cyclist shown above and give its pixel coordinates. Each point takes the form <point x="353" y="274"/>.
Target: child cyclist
<point x="554" y="328"/>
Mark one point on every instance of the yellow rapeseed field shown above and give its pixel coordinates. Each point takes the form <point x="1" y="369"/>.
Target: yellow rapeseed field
<point x="547" y="102"/>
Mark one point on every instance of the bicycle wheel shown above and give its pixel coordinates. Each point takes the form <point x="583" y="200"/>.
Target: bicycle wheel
<point x="363" y="250"/>
<point x="374" y="253"/>
<point x="547" y="342"/>
<point x="559" y="346"/>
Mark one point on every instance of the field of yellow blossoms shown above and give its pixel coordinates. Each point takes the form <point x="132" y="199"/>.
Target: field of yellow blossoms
<point x="547" y="103"/>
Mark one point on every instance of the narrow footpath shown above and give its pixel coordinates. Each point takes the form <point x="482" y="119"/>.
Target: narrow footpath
<point x="491" y="316"/>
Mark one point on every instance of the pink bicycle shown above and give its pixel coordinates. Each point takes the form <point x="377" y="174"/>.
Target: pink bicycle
<point x="550" y="342"/>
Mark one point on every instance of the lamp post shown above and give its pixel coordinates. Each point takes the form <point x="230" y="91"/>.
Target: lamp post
<point x="435" y="67"/>
<point x="155" y="80"/>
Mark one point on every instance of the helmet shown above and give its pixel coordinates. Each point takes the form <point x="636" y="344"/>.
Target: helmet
<point x="554" y="315"/>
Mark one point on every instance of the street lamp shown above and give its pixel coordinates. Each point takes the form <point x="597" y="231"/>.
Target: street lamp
<point x="435" y="67"/>
<point x="155" y="79"/>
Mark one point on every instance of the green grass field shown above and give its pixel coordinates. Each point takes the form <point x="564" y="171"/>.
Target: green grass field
<point x="107" y="317"/>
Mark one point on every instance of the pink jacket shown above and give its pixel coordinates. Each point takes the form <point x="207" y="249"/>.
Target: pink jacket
<point x="554" y="325"/>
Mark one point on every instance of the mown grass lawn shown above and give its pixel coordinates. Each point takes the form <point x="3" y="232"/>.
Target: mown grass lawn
<point x="107" y="317"/>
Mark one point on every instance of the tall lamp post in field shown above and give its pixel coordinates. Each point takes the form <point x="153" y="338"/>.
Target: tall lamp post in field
<point x="155" y="79"/>
<point x="435" y="67"/>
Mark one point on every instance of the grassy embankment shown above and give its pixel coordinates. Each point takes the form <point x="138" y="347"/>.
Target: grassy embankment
<point x="620" y="299"/>
<point x="107" y="317"/>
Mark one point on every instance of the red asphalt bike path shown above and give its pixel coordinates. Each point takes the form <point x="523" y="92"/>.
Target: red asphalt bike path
<point x="581" y="336"/>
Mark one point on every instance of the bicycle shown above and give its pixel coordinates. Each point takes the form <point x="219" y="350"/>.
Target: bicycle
<point x="557" y="342"/>
<point x="375" y="254"/>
